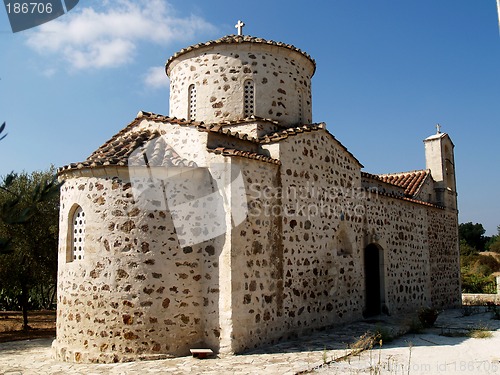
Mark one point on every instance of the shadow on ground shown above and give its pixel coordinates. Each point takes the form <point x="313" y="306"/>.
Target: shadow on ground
<point x="451" y="328"/>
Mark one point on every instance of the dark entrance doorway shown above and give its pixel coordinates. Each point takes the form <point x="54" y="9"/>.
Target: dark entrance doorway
<point x="373" y="280"/>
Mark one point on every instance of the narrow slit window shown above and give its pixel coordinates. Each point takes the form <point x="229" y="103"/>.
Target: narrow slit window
<point x="249" y="102"/>
<point x="192" y="102"/>
<point x="77" y="235"/>
<point x="344" y="246"/>
<point x="301" y="117"/>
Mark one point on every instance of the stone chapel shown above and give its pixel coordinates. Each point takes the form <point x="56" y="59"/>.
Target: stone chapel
<point x="237" y="221"/>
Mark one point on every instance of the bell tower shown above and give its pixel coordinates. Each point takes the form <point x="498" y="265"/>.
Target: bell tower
<point x="439" y="158"/>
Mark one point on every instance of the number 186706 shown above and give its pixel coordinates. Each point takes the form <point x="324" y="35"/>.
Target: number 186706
<point x="29" y="8"/>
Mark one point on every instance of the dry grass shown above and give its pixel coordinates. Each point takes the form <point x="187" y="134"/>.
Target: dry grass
<point x="42" y="323"/>
<point x="480" y="334"/>
<point x="481" y="331"/>
<point x="364" y="342"/>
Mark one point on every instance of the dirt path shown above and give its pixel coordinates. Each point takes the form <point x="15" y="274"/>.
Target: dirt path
<point x="43" y="324"/>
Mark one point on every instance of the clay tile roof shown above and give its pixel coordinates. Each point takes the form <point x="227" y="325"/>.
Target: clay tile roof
<point x="217" y="128"/>
<point x="236" y="39"/>
<point x="395" y="196"/>
<point x="161" y="118"/>
<point x="116" y="151"/>
<point x="143" y="115"/>
<point x="244" y="154"/>
<point x="410" y="181"/>
<point x="285" y="133"/>
<point x="119" y="151"/>
<point x="243" y="121"/>
<point x="369" y="175"/>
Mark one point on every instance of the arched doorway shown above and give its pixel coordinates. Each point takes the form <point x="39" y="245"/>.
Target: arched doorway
<point x="374" y="280"/>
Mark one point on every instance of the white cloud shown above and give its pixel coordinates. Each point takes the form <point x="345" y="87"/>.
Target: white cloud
<point x="49" y="72"/>
<point x="156" y="78"/>
<point x="108" y="36"/>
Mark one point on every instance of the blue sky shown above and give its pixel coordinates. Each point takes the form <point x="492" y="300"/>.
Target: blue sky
<point x="387" y="72"/>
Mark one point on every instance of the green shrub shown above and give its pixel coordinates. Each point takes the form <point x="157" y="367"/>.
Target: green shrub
<point x="415" y="326"/>
<point x="428" y="316"/>
<point x="384" y="334"/>
<point x="496" y="313"/>
<point x="474" y="283"/>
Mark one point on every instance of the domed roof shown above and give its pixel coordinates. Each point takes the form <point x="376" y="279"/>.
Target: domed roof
<point x="237" y="39"/>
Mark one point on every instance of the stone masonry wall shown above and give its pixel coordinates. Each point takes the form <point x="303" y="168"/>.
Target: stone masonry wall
<point x="427" y="193"/>
<point x="322" y="284"/>
<point x="257" y="260"/>
<point x="327" y="226"/>
<point x="281" y="80"/>
<point x="136" y="293"/>
<point x="399" y="228"/>
<point x="444" y="258"/>
<point x="294" y="263"/>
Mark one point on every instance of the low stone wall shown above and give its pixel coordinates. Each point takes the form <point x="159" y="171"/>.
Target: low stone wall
<point x="480" y="299"/>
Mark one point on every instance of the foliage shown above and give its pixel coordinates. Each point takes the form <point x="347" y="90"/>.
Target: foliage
<point x="366" y="341"/>
<point x="496" y="312"/>
<point x="480" y="332"/>
<point x="477" y="283"/>
<point x="383" y="334"/>
<point x="494" y="243"/>
<point x="2" y="128"/>
<point x="427" y="316"/>
<point x="494" y="246"/>
<point x="415" y="326"/>
<point x="473" y="235"/>
<point x="29" y="206"/>
<point x="476" y="267"/>
<point x="466" y="249"/>
<point x="480" y="264"/>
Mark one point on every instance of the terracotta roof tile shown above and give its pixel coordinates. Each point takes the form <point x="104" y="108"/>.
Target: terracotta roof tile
<point x="395" y="196"/>
<point x="285" y="133"/>
<point x="236" y="39"/>
<point x="410" y="181"/>
<point x="119" y="151"/>
<point x="370" y="175"/>
<point x="216" y="128"/>
<point x="244" y="154"/>
<point x="161" y="118"/>
<point x="245" y="120"/>
<point x="143" y="115"/>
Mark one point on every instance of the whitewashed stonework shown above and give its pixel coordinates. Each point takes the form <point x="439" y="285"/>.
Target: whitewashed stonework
<point x="281" y="78"/>
<point x="280" y="231"/>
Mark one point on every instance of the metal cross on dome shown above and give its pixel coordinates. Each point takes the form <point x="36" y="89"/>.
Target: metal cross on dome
<point x="240" y="26"/>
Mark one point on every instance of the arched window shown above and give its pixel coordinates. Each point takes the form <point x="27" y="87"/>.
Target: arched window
<point x="77" y="226"/>
<point x="192" y="102"/>
<point x="249" y="98"/>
